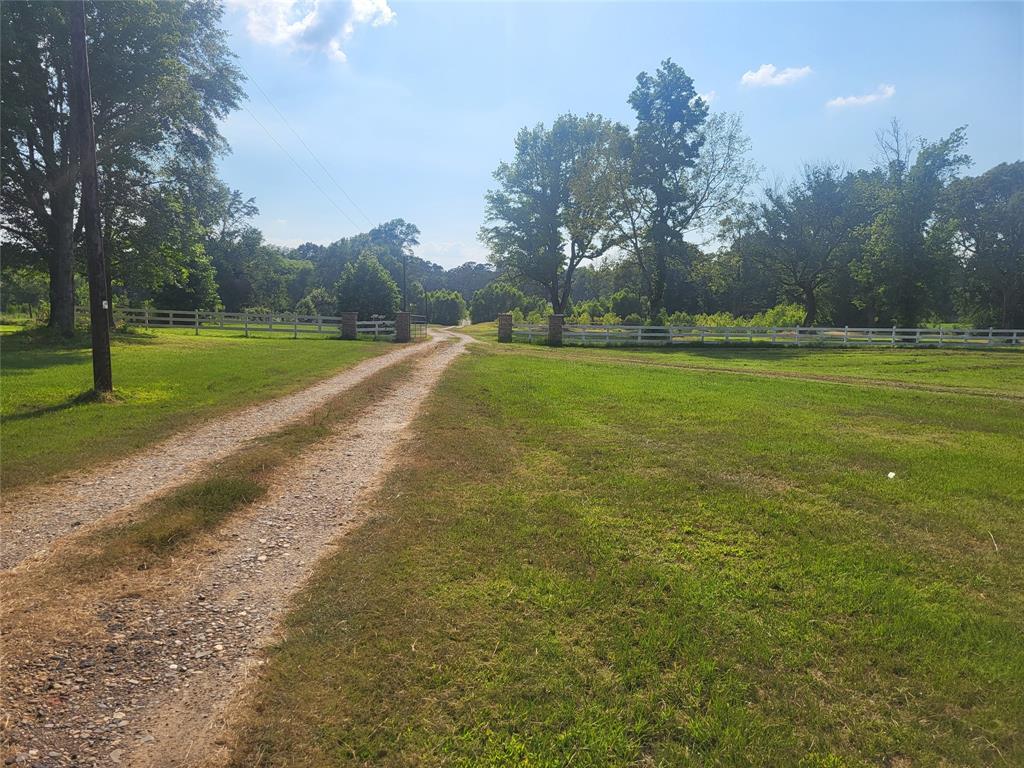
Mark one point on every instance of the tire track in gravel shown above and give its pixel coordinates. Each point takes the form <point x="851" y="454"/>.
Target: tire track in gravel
<point x="36" y="516"/>
<point x="174" y="658"/>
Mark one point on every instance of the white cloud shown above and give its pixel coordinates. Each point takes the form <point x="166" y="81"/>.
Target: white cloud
<point x="881" y="93"/>
<point x="768" y="74"/>
<point x="316" y="25"/>
<point x="708" y="97"/>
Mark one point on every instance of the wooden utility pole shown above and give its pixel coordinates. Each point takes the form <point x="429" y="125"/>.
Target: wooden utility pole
<point x="81" y="113"/>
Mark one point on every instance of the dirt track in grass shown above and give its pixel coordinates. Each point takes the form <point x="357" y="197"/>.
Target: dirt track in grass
<point x="152" y="682"/>
<point x="34" y="517"/>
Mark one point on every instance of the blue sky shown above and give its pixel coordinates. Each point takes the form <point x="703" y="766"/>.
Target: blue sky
<point x="409" y="106"/>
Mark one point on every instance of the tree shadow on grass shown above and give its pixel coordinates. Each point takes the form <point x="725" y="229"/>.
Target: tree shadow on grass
<point x="83" y="398"/>
<point x="37" y="348"/>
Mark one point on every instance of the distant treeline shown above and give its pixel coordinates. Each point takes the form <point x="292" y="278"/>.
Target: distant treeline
<point x="591" y="218"/>
<point x="602" y="219"/>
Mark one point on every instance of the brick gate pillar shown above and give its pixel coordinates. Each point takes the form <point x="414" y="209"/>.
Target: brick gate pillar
<point x="349" y="329"/>
<point x="505" y="327"/>
<point x="555" y="330"/>
<point x="403" y="326"/>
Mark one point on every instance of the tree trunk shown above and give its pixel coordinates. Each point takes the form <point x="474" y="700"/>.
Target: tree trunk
<point x="62" y="273"/>
<point x="810" y="307"/>
<point x="660" y="235"/>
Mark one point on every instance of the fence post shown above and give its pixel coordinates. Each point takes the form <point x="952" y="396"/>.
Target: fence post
<point x="403" y="327"/>
<point x="145" y="315"/>
<point x="295" y="326"/>
<point x="505" y="327"/>
<point x="349" y="329"/>
<point x="894" y="336"/>
<point x="555" y="330"/>
<point x="245" y="319"/>
<point x="197" y="322"/>
<point x="846" y="335"/>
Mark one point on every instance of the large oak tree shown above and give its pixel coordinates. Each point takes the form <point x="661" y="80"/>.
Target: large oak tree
<point x="163" y="77"/>
<point x="554" y="204"/>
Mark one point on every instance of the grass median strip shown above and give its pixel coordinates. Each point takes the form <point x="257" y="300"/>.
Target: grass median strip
<point x="591" y="563"/>
<point x="160" y="527"/>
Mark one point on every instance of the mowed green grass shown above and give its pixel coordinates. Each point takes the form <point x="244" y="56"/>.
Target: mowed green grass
<point x="592" y="563"/>
<point x="998" y="370"/>
<point x="164" y="380"/>
<point x="995" y="371"/>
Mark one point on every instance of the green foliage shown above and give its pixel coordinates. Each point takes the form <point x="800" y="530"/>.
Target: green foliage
<point x="163" y="78"/>
<point x="445" y="307"/>
<point x="779" y="316"/>
<point x="625" y="303"/>
<point x="24" y="289"/>
<point x="367" y="288"/>
<point x="806" y="234"/>
<point x="987" y="218"/>
<point x="553" y="207"/>
<point x="196" y="287"/>
<point x="906" y="266"/>
<point x="493" y="300"/>
<point x="687" y="169"/>
<point x="317" y="302"/>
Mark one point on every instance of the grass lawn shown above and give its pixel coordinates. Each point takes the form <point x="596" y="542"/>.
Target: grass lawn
<point x="587" y="562"/>
<point x="164" y="380"/>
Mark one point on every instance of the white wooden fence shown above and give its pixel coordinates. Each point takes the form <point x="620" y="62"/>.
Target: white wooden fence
<point x="254" y="322"/>
<point x="633" y="335"/>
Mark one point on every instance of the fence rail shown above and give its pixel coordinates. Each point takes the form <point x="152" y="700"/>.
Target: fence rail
<point x="254" y="322"/>
<point x="799" y="336"/>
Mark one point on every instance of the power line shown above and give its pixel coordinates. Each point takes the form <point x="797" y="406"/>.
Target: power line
<point x="304" y="171"/>
<point x="311" y="152"/>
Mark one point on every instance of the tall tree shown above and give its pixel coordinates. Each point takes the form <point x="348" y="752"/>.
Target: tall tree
<point x="987" y="214"/>
<point x="399" y="236"/>
<point x="163" y="78"/>
<point x="906" y="269"/>
<point x="367" y="288"/>
<point x="804" y="233"/>
<point x="686" y="170"/>
<point x="554" y="202"/>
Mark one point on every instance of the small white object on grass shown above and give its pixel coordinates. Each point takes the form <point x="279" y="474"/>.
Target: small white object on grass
<point x="892" y="475"/>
